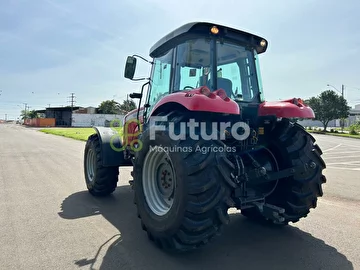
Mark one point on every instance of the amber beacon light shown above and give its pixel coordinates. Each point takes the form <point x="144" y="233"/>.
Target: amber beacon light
<point x="214" y="30"/>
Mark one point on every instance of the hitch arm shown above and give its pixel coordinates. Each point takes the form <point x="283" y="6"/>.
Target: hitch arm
<point x="261" y="175"/>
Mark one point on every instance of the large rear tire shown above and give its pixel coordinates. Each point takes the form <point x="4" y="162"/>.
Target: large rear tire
<point x="293" y="146"/>
<point x="100" y="180"/>
<point x="182" y="197"/>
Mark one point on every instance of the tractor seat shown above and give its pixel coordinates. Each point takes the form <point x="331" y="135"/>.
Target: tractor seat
<point x="226" y="85"/>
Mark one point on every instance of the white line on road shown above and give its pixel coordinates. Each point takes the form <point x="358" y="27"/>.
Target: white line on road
<point x="347" y="152"/>
<point x="345" y="163"/>
<point x="327" y="157"/>
<point x="332" y="148"/>
<point x="343" y="168"/>
<point x="351" y="146"/>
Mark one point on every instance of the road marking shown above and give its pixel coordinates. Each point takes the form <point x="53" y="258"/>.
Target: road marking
<point x="347" y="152"/>
<point x="343" y="168"/>
<point x="326" y="158"/>
<point x="351" y="146"/>
<point x="345" y="163"/>
<point x="332" y="148"/>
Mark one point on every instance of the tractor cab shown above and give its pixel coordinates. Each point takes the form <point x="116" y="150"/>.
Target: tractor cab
<point x="204" y="54"/>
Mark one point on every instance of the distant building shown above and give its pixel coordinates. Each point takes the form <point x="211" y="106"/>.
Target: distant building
<point x="81" y="117"/>
<point x="62" y="115"/>
<point x="88" y="110"/>
<point x="354" y="116"/>
<point x="103" y="120"/>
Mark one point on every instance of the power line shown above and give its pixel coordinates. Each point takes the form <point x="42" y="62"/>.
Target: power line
<point x="351" y="87"/>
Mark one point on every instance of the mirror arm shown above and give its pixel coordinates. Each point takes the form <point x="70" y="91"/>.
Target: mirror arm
<point x="135" y="55"/>
<point x="142" y="91"/>
<point x="140" y="79"/>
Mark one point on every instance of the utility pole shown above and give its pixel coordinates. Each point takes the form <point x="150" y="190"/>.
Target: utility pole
<point x="342" y="120"/>
<point x="72" y="101"/>
<point x="5" y="117"/>
<point x="127" y="103"/>
<point x="25" y="113"/>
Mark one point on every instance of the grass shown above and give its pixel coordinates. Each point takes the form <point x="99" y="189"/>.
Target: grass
<point x="347" y="135"/>
<point x="81" y="134"/>
<point x="356" y="128"/>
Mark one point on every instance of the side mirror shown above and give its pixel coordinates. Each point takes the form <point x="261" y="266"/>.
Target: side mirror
<point x="130" y="67"/>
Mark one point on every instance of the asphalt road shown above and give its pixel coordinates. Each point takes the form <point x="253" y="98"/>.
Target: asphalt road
<point x="49" y="221"/>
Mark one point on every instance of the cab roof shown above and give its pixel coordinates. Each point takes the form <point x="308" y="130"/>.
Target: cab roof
<point x="203" y="29"/>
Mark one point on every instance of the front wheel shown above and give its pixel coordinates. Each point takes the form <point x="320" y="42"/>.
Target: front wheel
<point x="100" y="180"/>
<point x="182" y="196"/>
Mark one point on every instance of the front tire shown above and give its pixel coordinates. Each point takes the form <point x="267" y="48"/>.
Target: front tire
<point x="198" y="190"/>
<point x="100" y="180"/>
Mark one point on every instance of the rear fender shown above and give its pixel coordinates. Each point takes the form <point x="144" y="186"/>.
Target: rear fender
<point x="290" y="108"/>
<point x="112" y="150"/>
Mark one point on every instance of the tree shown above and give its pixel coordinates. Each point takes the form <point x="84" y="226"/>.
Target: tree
<point x="113" y="107"/>
<point x="128" y="105"/>
<point x="29" y="114"/>
<point x="329" y="106"/>
<point x="109" y="107"/>
<point x="33" y="114"/>
<point x="24" y="115"/>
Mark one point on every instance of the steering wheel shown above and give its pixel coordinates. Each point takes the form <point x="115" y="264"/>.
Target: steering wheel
<point x="190" y="87"/>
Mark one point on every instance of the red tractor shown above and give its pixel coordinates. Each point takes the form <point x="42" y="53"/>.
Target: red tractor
<point x="206" y="140"/>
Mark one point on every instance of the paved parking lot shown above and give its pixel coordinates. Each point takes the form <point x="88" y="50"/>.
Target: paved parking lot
<point x="343" y="156"/>
<point x="49" y="221"/>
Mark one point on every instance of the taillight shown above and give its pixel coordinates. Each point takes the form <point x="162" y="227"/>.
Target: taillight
<point x="205" y="91"/>
<point x="221" y="93"/>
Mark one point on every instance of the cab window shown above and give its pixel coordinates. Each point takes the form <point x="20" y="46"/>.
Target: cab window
<point x="161" y="78"/>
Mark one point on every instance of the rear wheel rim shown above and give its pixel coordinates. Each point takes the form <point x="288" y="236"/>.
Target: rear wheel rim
<point x="91" y="164"/>
<point x="158" y="181"/>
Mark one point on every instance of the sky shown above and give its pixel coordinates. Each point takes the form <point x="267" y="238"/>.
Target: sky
<point x="52" y="48"/>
